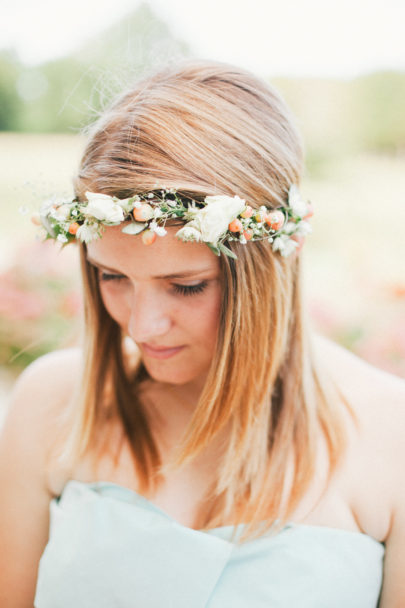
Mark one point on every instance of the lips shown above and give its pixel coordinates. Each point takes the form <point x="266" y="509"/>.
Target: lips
<point x="160" y="352"/>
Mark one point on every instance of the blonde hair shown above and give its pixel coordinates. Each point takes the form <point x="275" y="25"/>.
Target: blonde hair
<point x="209" y="128"/>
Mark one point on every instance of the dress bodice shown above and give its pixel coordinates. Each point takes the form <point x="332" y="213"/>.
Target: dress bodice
<point x="109" y="547"/>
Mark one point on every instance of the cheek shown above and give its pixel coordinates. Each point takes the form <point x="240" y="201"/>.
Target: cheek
<point x="115" y="302"/>
<point x="204" y="320"/>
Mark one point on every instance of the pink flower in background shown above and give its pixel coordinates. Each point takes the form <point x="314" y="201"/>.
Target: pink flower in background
<point x="71" y="304"/>
<point x="40" y="303"/>
<point x="16" y="304"/>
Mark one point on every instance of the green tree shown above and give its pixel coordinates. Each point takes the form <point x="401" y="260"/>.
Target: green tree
<point x="10" y="102"/>
<point x="78" y="86"/>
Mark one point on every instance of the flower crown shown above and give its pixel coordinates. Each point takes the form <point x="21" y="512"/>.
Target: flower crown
<point x="214" y="221"/>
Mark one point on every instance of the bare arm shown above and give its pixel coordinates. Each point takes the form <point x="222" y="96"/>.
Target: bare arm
<point x="393" y="591"/>
<point x="379" y="458"/>
<point x="25" y="497"/>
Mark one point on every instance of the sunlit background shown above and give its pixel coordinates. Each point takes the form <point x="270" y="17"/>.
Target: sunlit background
<point x="341" y="68"/>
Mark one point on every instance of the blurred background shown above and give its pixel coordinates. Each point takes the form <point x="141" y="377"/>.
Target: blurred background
<point x="340" y="67"/>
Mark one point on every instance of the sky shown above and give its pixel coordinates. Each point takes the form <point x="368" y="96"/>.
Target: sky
<point x="321" y="38"/>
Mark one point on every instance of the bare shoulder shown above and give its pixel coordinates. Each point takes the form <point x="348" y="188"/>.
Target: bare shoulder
<point x="376" y="453"/>
<point x="376" y="397"/>
<point x="38" y="397"/>
<point x="43" y="382"/>
<point x="372" y="390"/>
<point x="375" y="462"/>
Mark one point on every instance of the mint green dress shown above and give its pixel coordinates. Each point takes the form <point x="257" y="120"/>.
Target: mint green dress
<point x="109" y="547"/>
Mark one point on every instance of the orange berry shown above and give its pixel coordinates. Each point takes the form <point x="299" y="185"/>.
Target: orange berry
<point x="310" y="212"/>
<point x="275" y="219"/>
<point x="248" y="212"/>
<point x="143" y="213"/>
<point x="235" y="226"/>
<point x="148" y="237"/>
<point x="73" y="228"/>
<point x="248" y="234"/>
<point x="35" y="219"/>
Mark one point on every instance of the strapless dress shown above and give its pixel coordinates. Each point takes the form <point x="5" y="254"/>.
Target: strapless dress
<point x="109" y="547"/>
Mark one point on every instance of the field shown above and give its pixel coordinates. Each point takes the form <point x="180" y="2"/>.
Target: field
<point x="354" y="267"/>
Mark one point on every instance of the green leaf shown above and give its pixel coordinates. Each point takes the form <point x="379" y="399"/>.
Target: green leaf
<point x="134" y="228"/>
<point x="214" y="249"/>
<point x="227" y="251"/>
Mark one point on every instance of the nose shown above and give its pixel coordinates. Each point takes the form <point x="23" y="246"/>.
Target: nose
<point x="148" y="316"/>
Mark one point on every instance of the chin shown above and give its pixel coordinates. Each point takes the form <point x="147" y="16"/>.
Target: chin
<point x="177" y="377"/>
<point x="176" y="380"/>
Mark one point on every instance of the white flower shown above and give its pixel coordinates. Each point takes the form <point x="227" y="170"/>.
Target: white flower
<point x="296" y="202"/>
<point x="159" y="230"/>
<point x="284" y="245"/>
<point x="103" y="208"/>
<point x="62" y="212"/>
<point x="137" y="204"/>
<point x="62" y="238"/>
<point x="192" y="210"/>
<point x="290" y="228"/>
<point x="44" y="215"/>
<point x="304" y="228"/>
<point x="213" y="219"/>
<point x="189" y="233"/>
<point x="127" y="204"/>
<point x="88" y="232"/>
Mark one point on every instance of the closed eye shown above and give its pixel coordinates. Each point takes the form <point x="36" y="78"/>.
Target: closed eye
<point x="108" y="276"/>
<point x="184" y="290"/>
<point x="189" y="290"/>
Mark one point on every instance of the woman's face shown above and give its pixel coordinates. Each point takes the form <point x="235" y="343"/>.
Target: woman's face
<point x="165" y="296"/>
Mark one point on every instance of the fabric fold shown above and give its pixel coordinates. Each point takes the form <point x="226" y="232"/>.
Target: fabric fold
<point x="109" y="547"/>
<point x="102" y="550"/>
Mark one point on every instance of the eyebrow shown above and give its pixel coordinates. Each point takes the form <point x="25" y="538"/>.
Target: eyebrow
<point x="174" y="275"/>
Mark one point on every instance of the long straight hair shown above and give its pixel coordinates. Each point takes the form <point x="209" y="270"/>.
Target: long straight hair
<point x="207" y="128"/>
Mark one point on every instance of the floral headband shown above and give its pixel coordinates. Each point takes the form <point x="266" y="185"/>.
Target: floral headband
<point x="216" y="220"/>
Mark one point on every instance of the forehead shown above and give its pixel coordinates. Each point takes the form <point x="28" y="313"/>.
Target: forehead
<point x="167" y="255"/>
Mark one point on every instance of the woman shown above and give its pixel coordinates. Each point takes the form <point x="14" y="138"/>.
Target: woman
<point x="204" y="448"/>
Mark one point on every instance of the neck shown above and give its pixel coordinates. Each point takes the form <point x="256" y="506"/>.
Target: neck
<point x="186" y="395"/>
<point x="170" y="407"/>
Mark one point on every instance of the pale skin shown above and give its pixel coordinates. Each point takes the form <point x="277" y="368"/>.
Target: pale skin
<point x="167" y="297"/>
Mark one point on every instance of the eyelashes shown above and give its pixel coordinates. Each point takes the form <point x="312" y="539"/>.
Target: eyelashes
<point x="184" y="290"/>
<point x="105" y="276"/>
<point x="189" y="290"/>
